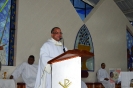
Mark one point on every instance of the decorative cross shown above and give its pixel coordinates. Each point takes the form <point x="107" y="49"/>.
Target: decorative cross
<point x="67" y="83"/>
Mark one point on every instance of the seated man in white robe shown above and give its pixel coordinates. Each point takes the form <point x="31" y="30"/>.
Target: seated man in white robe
<point x="83" y="85"/>
<point x="103" y="77"/>
<point x="28" y="70"/>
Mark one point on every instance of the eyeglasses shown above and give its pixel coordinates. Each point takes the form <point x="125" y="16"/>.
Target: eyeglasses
<point x="57" y="33"/>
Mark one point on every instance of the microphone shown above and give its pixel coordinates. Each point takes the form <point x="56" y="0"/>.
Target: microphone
<point x="63" y="44"/>
<point x="61" y="38"/>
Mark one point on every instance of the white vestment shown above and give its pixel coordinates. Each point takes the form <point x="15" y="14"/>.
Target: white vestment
<point x="83" y="85"/>
<point x="28" y="72"/>
<point x="101" y="75"/>
<point x="48" y="51"/>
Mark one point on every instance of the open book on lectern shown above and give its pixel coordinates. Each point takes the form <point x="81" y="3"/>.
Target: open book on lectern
<point x="66" y="68"/>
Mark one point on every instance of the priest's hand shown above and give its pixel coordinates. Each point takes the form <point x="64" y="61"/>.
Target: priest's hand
<point x="11" y="77"/>
<point x="106" y="79"/>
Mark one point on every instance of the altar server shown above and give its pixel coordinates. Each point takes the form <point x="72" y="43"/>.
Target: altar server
<point x="28" y="70"/>
<point x="103" y="77"/>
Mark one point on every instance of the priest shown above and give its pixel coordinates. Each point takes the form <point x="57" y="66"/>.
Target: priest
<point x="50" y="49"/>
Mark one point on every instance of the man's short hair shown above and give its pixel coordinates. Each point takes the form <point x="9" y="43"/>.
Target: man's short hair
<point x="102" y="64"/>
<point x="54" y="28"/>
<point x="31" y="56"/>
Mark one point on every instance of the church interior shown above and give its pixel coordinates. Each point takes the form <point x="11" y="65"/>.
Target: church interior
<point x="104" y="32"/>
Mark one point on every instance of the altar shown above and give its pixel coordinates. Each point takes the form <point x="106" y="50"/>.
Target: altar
<point x="7" y="83"/>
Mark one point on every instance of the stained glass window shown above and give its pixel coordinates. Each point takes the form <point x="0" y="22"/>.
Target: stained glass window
<point x="129" y="50"/>
<point x="84" y="42"/>
<point x="82" y="8"/>
<point x="7" y="31"/>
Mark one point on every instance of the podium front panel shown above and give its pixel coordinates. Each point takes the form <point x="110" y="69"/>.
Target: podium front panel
<point x="67" y="73"/>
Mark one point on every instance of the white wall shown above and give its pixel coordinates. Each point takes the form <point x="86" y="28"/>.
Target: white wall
<point x="107" y="26"/>
<point x="106" y="23"/>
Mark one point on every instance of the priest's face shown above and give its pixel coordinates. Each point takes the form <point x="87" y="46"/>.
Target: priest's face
<point x="56" y="34"/>
<point x="103" y="66"/>
<point x="30" y="60"/>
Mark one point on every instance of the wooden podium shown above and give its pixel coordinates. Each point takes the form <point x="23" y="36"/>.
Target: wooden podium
<point x="66" y="69"/>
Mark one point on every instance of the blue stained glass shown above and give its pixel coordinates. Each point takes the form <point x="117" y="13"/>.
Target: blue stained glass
<point x="88" y="6"/>
<point x="129" y="40"/>
<point x="5" y="32"/>
<point x="4" y="29"/>
<point x="81" y="13"/>
<point x="82" y="8"/>
<point x="88" y="11"/>
<point x="129" y="47"/>
<point x="79" y="4"/>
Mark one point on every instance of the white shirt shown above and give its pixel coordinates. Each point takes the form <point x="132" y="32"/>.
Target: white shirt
<point x="28" y="72"/>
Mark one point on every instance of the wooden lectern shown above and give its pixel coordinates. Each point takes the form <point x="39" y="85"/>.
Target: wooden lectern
<point x="66" y="69"/>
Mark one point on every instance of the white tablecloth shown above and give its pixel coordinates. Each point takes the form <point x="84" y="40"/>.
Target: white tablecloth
<point x="7" y="83"/>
